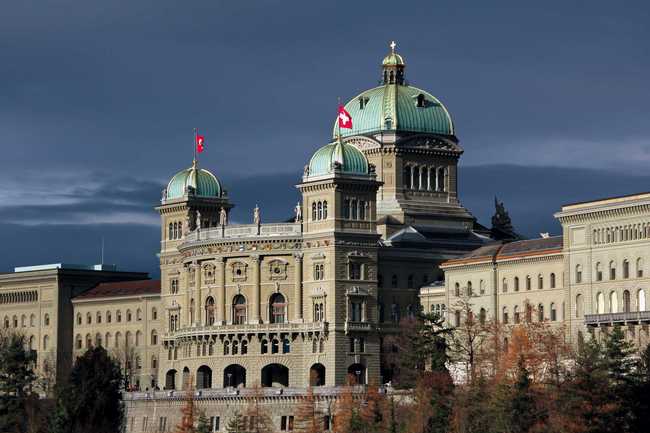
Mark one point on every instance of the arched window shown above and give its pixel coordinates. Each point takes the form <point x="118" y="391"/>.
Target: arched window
<point x="393" y="281"/>
<point x="78" y="342"/>
<point x="578" y="274"/>
<point x="244" y="347"/>
<point x="325" y="210"/>
<point x="46" y="342"/>
<point x="171" y="231"/>
<point x="457" y="289"/>
<point x="504" y="285"/>
<point x="209" y="311"/>
<point x="98" y="317"/>
<point x="89" y="319"/>
<point x="599" y="271"/>
<point x="275" y="346"/>
<point x="504" y="316"/>
<point x="516" y="318"/>
<point x="320" y="211"/>
<point x="175" y="231"/>
<point x="540" y="281"/>
<point x="552" y="280"/>
<point x="640" y="295"/>
<point x="46" y="320"/>
<point x="416" y="178"/>
<point x="626" y="301"/>
<point x="540" y="313"/>
<point x="154" y="314"/>
<point x="516" y="284"/>
<point x="346" y="208"/>
<point x="154" y="362"/>
<point x="226" y="347"/>
<point x="32" y="320"/>
<point x="613" y="302"/>
<point x="138" y="314"/>
<point x="528" y="284"/>
<point x="407" y="177"/>
<point x="235" y="347"/>
<point x="264" y="347"/>
<point x="553" y="313"/>
<point x="277" y="308"/>
<point x="600" y="303"/>
<point x="639" y="267"/>
<point x="154" y="338"/>
<point x="239" y="310"/>
<point x="108" y="340"/>
<point x="78" y="318"/>
<point x="313" y="211"/>
<point x="128" y="315"/>
<point x="286" y="346"/>
<point x="89" y="341"/>
<point x="612" y="270"/>
<point x="482" y="316"/>
<point x="626" y="268"/>
<point x="469" y="289"/>
<point x="440" y="178"/>
<point x="108" y="317"/>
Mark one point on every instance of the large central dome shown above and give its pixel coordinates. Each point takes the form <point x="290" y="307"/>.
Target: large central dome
<point x="396" y="107"/>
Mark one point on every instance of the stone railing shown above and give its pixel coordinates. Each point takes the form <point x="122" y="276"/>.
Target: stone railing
<point x="358" y="326"/>
<point x="243" y="231"/>
<point x="231" y="392"/>
<point x="617" y="318"/>
<point x="255" y="328"/>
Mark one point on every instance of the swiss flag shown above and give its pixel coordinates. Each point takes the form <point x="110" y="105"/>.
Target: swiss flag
<point x="199" y="143"/>
<point x="345" y="120"/>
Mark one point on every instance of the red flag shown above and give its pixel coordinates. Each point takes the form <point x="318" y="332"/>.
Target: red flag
<point x="199" y="143"/>
<point x="345" y="120"/>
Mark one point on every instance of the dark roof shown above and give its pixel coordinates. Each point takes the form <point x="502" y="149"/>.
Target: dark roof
<point x="122" y="288"/>
<point x="605" y="198"/>
<point x="531" y="245"/>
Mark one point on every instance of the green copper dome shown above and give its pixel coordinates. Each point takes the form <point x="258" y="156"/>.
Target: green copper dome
<point x="202" y="182"/>
<point x="395" y="106"/>
<point x="350" y="160"/>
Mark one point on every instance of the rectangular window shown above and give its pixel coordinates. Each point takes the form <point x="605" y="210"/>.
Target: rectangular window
<point x="283" y="423"/>
<point x="290" y="426"/>
<point x="144" y="423"/>
<point x="354" y="271"/>
<point x="162" y="424"/>
<point x="326" y="423"/>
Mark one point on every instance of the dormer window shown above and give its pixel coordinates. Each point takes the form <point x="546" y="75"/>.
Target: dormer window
<point x="363" y="101"/>
<point x="420" y="101"/>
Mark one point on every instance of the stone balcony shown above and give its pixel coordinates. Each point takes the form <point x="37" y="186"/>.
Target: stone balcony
<point x="255" y="328"/>
<point x="358" y="326"/>
<point x="611" y="319"/>
<point x="245" y="231"/>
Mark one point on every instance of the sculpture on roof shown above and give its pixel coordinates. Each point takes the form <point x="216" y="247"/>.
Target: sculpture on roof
<point x="502" y="228"/>
<point x="256" y="215"/>
<point x="298" y="211"/>
<point x="198" y="220"/>
<point x="223" y="217"/>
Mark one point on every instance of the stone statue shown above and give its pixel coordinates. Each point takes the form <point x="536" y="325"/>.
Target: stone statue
<point x="298" y="211"/>
<point x="502" y="228"/>
<point x="198" y="220"/>
<point x="164" y="195"/>
<point x="188" y="222"/>
<point x="256" y="215"/>
<point x="305" y="171"/>
<point x="223" y="217"/>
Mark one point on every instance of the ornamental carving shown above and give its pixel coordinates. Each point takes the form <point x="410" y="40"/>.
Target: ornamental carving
<point x="363" y="143"/>
<point x="209" y="273"/>
<point x="429" y="142"/>
<point x="278" y="270"/>
<point x="239" y="271"/>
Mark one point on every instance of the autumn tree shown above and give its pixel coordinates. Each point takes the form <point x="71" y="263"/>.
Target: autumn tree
<point x="236" y="423"/>
<point x="188" y="413"/>
<point x="309" y="418"/>
<point x="468" y="337"/>
<point x="259" y="420"/>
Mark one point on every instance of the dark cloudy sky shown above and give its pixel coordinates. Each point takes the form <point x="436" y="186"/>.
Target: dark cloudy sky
<point x="98" y="101"/>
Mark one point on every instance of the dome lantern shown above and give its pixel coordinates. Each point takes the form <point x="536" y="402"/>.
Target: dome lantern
<point x="393" y="67"/>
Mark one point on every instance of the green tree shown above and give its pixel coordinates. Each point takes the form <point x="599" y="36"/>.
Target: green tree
<point x="640" y="401"/>
<point x="204" y="423"/>
<point x="16" y="381"/>
<point x="91" y="400"/>
<point x="236" y="423"/>
<point x="523" y="409"/>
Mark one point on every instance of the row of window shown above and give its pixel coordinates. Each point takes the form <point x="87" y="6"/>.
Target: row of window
<point x="613" y="303"/>
<point x="529" y="314"/>
<point x="118" y="343"/>
<point x="425" y="178"/>
<point x="232" y="347"/>
<point x="175" y="230"/>
<point x="23" y="321"/>
<point x="32" y="343"/>
<point x="612" y="270"/>
<point x="319" y="211"/>
<point x="118" y="316"/>
<point x="19" y="297"/>
<point x="621" y="233"/>
<point x="355" y="209"/>
<point x="516" y="284"/>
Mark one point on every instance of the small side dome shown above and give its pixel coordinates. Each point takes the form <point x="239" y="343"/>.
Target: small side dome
<point x="196" y="181"/>
<point x="343" y="157"/>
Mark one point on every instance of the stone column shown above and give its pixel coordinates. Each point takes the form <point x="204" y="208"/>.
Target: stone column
<point x="256" y="290"/>
<point x="222" y="291"/>
<point x="198" y="316"/>
<point x="298" y="287"/>
<point x="186" y="314"/>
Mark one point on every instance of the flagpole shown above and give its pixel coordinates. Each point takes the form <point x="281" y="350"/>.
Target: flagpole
<point x="194" y="144"/>
<point x="338" y="118"/>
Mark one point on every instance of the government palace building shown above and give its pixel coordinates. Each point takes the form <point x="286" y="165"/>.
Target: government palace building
<point x="379" y="234"/>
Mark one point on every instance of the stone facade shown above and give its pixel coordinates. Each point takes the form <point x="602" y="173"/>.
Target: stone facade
<point x="590" y="278"/>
